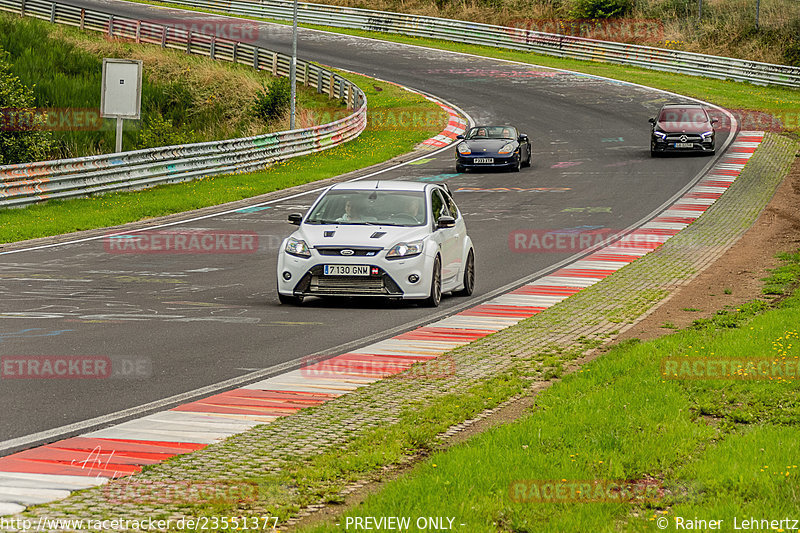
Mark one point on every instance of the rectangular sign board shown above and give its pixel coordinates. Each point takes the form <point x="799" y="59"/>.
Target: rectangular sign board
<point x="121" y="95"/>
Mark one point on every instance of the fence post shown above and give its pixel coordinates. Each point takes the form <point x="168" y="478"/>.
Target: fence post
<point x="305" y="74"/>
<point x="255" y="57"/>
<point x="235" y="50"/>
<point x="274" y="63"/>
<point x="22" y="9"/>
<point x="138" y="31"/>
<point x="53" y="13"/>
<point x="213" y="46"/>
<point x="189" y="42"/>
<point x="83" y="18"/>
<point x="111" y="26"/>
<point x="332" y="85"/>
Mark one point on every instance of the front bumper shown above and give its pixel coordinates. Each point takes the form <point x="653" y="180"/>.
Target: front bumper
<point x="658" y="145"/>
<point x="499" y="161"/>
<point x="387" y="279"/>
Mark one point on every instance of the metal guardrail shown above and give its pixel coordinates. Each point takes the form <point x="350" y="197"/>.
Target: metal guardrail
<point x="514" y="38"/>
<point x="28" y="183"/>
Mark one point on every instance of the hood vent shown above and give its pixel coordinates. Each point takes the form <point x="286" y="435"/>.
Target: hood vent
<point x="377" y="235"/>
<point x="329" y="233"/>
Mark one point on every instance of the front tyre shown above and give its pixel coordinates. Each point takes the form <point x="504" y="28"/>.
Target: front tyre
<point x="469" y="276"/>
<point x="516" y="166"/>
<point x="435" y="297"/>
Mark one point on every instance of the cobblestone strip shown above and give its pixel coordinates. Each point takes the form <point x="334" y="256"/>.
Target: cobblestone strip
<point x="562" y="332"/>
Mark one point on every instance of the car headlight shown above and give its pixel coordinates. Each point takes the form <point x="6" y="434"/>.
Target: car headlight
<point x="507" y="149"/>
<point x="660" y="134"/>
<point x="405" y="249"/>
<point x="707" y="136"/>
<point x="297" y="247"/>
<point x="464" y="149"/>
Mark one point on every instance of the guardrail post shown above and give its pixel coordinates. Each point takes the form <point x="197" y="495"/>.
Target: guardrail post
<point x="138" y="31"/>
<point x="213" y="46"/>
<point x="53" y="13"/>
<point x="255" y="57"/>
<point x="235" y="50"/>
<point x="305" y="74"/>
<point x="83" y="18"/>
<point x="111" y="26"/>
<point x="332" y="85"/>
<point x="341" y="89"/>
<point x="319" y="80"/>
<point x="22" y="9"/>
<point x="163" y="36"/>
<point x="189" y="42"/>
<point x="274" y="63"/>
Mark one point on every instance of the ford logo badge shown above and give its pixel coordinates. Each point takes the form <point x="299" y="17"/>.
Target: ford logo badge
<point x="347" y="252"/>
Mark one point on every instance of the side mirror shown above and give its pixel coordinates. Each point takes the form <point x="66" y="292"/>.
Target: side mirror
<point x="522" y="138"/>
<point x="295" y="218"/>
<point x="459" y="136"/>
<point x="446" y="222"/>
<point x="714" y="121"/>
<point x="651" y="120"/>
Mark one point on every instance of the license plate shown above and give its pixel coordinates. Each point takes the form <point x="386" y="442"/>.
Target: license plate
<point x="484" y="160"/>
<point x="684" y="145"/>
<point x="347" y="270"/>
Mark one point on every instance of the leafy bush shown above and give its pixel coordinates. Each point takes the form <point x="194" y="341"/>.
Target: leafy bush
<point x="791" y="55"/>
<point x="273" y="100"/>
<point x="20" y="140"/>
<point x="601" y="9"/>
<point x="160" y="131"/>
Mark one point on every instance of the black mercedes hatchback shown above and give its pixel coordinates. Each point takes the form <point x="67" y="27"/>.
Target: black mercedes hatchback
<point x="682" y="128"/>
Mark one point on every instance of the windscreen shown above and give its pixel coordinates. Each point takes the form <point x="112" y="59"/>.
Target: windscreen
<point x="374" y="207"/>
<point x="492" y="132"/>
<point x="684" y="115"/>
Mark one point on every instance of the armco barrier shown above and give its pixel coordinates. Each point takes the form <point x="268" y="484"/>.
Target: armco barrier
<point x="32" y="182"/>
<point x="513" y="38"/>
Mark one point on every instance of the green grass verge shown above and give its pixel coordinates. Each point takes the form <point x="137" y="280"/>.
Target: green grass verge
<point x="382" y="140"/>
<point x="710" y="449"/>
<point x="781" y="102"/>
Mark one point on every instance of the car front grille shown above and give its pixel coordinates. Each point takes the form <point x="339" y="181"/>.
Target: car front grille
<point x="347" y="285"/>
<point x="678" y="138"/>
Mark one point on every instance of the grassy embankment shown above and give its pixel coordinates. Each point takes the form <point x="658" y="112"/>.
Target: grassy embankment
<point x="185" y="98"/>
<point x="713" y="449"/>
<point x="386" y="136"/>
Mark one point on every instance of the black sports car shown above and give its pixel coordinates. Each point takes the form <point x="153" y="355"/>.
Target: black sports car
<point x="682" y="128"/>
<point x="493" y="147"/>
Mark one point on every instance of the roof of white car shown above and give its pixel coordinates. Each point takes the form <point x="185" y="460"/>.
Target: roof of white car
<point x="382" y="185"/>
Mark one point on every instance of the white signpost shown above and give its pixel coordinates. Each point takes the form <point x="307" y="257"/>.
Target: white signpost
<point x="121" y="95"/>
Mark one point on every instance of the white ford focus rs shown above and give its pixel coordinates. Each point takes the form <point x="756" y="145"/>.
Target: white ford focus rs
<point x="393" y="239"/>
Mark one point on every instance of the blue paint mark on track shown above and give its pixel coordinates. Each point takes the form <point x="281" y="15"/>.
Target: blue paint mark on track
<point x="253" y="209"/>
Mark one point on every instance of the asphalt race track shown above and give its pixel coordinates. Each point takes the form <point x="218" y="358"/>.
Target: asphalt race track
<point x="178" y="322"/>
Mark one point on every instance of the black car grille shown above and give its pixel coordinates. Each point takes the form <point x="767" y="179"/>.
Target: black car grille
<point x="357" y="252"/>
<point x="347" y="285"/>
<point x="689" y="138"/>
<point x="380" y="284"/>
